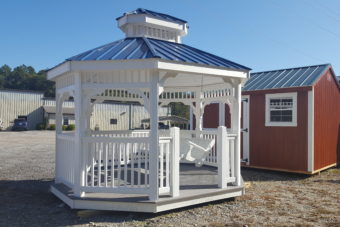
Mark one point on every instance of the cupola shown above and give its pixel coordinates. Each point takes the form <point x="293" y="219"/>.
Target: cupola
<point x="147" y="23"/>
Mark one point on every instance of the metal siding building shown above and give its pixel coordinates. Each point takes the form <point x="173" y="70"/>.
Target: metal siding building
<point x="102" y="113"/>
<point x="15" y="103"/>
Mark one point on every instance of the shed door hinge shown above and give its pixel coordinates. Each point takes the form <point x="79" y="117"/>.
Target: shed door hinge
<point x="244" y="130"/>
<point x="245" y="100"/>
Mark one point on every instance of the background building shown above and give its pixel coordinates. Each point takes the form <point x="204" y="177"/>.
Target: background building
<point x="106" y="116"/>
<point x="15" y="103"/>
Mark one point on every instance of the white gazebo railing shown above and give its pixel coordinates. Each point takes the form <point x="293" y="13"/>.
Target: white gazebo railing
<point x="65" y="155"/>
<point x="118" y="161"/>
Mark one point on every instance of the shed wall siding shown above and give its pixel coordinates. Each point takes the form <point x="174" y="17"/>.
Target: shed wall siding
<point x="278" y="147"/>
<point x="15" y="103"/>
<point x="211" y="116"/>
<point x="327" y="122"/>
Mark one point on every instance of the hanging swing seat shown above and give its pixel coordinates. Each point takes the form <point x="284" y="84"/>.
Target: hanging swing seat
<point x="196" y="150"/>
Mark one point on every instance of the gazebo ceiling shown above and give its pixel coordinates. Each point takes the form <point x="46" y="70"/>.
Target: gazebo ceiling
<point x="146" y="48"/>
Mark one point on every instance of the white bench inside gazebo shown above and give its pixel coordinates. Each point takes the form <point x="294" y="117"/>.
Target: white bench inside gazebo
<point x="147" y="170"/>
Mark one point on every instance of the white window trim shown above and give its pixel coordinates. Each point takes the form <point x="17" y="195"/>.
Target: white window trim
<point x="292" y="95"/>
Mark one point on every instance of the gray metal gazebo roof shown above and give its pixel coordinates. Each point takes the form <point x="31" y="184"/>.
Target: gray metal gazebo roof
<point x="144" y="48"/>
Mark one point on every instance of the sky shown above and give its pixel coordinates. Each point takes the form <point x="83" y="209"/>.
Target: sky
<point x="261" y="34"/>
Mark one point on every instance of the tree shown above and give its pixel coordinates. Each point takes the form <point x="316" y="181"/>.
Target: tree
<point x="5" y="70"/>
<point x="179" y="109"/>
<point x="25" y="78"/>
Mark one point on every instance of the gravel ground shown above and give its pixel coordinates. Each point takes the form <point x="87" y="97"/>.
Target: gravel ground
<point x="272" y="199"/>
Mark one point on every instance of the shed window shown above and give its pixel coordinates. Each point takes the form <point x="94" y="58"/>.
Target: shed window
<point x="281" y="109"/>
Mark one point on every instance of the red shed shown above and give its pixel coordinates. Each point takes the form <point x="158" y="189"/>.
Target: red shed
<point x="291" y="119"/>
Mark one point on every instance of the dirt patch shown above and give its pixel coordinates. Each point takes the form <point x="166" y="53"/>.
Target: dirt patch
<point x="272" y="199"/>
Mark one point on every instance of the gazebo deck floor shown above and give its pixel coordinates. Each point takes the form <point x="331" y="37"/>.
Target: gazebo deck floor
<point x="197" y="185"/>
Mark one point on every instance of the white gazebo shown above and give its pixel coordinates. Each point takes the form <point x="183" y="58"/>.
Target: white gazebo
<point x="147" y="170"/>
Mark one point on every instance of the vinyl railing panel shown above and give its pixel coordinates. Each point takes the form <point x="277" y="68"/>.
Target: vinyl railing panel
<point x="65" y="154"/>
<point x="118" y="162"/>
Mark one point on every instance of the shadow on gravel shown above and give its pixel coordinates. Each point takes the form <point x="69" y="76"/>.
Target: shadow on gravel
<point x="328" y="181"/>
<point x="112" y="217"/>
<point x="250" y="174"/>
<point x="30" y="203"/>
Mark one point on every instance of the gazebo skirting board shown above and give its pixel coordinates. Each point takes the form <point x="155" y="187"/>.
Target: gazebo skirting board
<point x="198" y="185"/>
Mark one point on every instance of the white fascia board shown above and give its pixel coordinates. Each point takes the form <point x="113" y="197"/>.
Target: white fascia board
<point x="111" y="65"/>
<point x="59" y="70"/>
<point x="103" y="65"/>
<point x="165" y="24"/>
<point x="207" y="70"/>
<point x="145" y="19"/>
<point x="152" y="63"/>
<point x="122" y="21"/>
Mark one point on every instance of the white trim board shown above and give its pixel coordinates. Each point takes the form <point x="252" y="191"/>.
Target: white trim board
<point x="310" y="131"/>
<point x="143" y="64"/>
<point x="245" y="135"/>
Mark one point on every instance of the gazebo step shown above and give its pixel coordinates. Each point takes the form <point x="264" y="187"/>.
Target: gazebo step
<point x="189" y="195"/>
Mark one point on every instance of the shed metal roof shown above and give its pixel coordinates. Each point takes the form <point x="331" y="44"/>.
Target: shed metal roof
<point x="285" y="78"/>
<point x="144" y="48"/>
<point x="154" y="14"/>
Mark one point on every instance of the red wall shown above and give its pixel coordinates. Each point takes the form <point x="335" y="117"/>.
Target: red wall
<point x="278" y="147"/>
<point x="326" y="121"/>
<point x="211" y="116"/>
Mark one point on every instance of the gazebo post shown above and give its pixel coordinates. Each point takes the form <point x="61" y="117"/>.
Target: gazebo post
<point x="58" y="122"/>
<point x="175" y="134"/>
<point x="222" y="156"/>
<point x="154" y="140"/>
<point x="221" y="115"/>
<point x="58" y="114"/>
<point x="236" y="124"/>
<point x="199" y="113"/>
<point x="191" y="120"/>
<point x="78" y="137"/>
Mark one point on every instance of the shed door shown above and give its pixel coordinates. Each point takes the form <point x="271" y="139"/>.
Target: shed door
<point x="245" y="128"/>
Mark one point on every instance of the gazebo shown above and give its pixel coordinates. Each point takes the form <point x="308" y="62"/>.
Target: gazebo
<point x="147" y="170"/>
